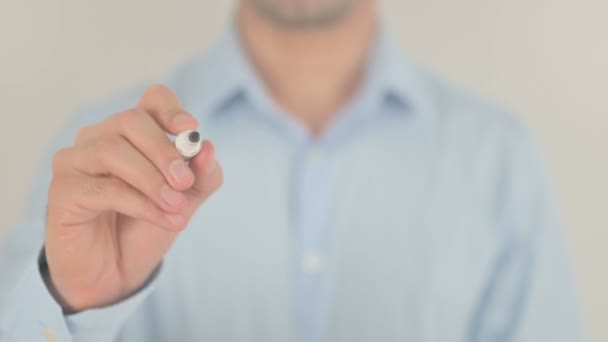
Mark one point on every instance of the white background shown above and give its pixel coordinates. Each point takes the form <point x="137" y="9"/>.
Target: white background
<point x="547" y="60"/>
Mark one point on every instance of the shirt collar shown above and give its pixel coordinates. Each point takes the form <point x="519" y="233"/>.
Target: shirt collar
<point x="225" y="75"/>
<point x="395" y="78"/>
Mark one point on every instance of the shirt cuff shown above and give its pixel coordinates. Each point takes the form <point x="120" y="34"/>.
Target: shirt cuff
<point x="103" y="324"/>
<point x="35" y="315"/>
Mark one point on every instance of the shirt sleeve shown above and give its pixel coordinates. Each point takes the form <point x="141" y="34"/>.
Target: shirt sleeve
<point x="33" y="314"/>
<point x="530" y="294"/>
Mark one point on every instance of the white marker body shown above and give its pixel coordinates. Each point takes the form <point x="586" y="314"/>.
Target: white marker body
<point x="185" y="147"/>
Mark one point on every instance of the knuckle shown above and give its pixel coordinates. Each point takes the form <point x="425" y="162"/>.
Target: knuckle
<point x="156" y="89"/>
<point x="129" y="119"/>
<point x="84" y="133"/>
<point x="108" y="145"/>
<point x="58" y="196"/>
<point x="57" y="187"/>
<point x="60" y="159"/>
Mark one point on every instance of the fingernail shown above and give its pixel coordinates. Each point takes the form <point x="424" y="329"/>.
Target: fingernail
<point x="171" y="197"/>
<point x="177" y="220"/>
<point x="180" y="172"/>
<point x="182" y="118"/>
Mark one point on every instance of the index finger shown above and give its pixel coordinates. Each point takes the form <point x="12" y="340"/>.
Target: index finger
<point x="166" y="109"/>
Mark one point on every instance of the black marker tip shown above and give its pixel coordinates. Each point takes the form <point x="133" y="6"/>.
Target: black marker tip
<point x="194" y="137"/>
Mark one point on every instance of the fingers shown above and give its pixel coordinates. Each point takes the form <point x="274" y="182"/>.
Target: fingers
<point x="98" y="188"/>
<point x="94" y="195"/>
<point x="166" y="109"/>
<point x="138" y="127"/>
<point x="131" y="154"/>
<point x="158" y="111"/>
<point x="114" y="156"/>
<point x="143" y="132"/>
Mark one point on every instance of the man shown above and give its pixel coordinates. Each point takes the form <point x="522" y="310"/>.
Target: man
<point x="364" y="200"/>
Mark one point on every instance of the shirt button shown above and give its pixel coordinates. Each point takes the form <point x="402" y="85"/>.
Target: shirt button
<point x="313" y="263"/>
<point x="49" y="335"/>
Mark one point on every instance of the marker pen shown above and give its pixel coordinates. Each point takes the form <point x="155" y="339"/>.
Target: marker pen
<point x="188" y="144"/>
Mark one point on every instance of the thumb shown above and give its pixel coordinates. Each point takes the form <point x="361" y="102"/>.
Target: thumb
<point x="208" y="175"/>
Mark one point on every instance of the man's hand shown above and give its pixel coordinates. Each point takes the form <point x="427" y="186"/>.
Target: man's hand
<point x="119" y="197"/>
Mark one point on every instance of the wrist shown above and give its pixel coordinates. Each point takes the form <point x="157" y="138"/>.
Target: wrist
<point x="45" y="273"/>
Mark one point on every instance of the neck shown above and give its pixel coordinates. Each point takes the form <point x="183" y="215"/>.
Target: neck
<point x="310" y="73"/>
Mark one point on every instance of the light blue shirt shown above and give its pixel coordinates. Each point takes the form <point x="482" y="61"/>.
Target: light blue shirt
<point x="421" y="214"/>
